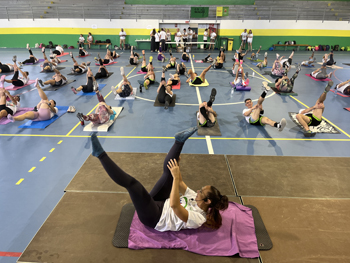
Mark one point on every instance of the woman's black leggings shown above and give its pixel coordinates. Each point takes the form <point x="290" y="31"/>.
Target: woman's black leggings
<point x="330" y="62"/>
<point x="30" y="60"/>
<point x="101" y="74"/>
<point x="149" y="206"/>
<point x="81" y="53"/>
<point x="153" y="43"/>
<point x="57" y="52"/>
<point x="163" y="97"/>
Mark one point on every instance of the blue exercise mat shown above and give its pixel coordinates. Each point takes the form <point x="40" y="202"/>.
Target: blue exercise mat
<point x="256" y="63"/>
<point x="43" y="124"/>
<point x="100" y="87"/>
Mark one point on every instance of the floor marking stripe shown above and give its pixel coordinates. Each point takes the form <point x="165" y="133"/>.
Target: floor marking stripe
<point x="52" y="150"/>
<point x="172" y="138"/>
<point x="209" y="144"/>
<point x="60" y="142"/>
<point x="19" y="181"/>
<point x="42" y="159"/>
<point x="322" y="117"/>
<point x="69" y="133"/>
<point x="257" y="72"/>
<point x="10" y="254"/>
<point x="31" y="170"/>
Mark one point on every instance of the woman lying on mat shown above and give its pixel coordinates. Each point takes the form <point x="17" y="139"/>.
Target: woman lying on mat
<point x="255" y="56"/>
<point x="172" y="62"/>
<point x="149" y="79"/>
<point x="59" y="50"/>
<point x="16" y="80"/>
<point x="161" y="56"/>
<point x="134" y="57"/>
<point x="103" y="112"/>
<point x="343" y="87"/>
<point x="57" y="80"/>
<point x="144" y="66"/>
<point x="46" y="109"/>
<point x="82" y="51"/>
<point x="277" y="68"/>
<point x="54" y="59"/>
<point x="328" y="59"/>
<point x="181" y="69"/>
<point x="102" y="71"/>
<point x="206" y="116"/>
<point x="219" y="61"/>
<point x="82" y="68"/>
<point x="208" y="59"/>
<point x="310" y="62"/>
<point x="285" y="84"/>
<point x="109" y="57"/>
<point x="241" y="78"/>
<point x="9" y="106"/>
<point x="47" y="65"/>
<point x="195" y="79"/>
<point x="165" y="93"/>
<point x="91" y="84"/>
<point x="6" y="68"/>
<point x="321" y="73"/>
<point x="263" y="64"/>
<point x="222" y="54"/>
<point x="173" y="80"/>
<point x="124" y="89"/>
<point x="163" y="208"/>
<point x="239" y="55"/>
<point x="31" y="59"/>
<point x="185" y="56"/>
<point x="286" y="62"/>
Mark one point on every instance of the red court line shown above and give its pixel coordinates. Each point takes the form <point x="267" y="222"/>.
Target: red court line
<point x="10" y="254"/>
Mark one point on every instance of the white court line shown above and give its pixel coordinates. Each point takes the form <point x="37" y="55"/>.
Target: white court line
<point x="210" y="146"/>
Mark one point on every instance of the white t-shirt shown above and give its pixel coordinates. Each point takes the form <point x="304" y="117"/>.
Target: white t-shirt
<point x="162" y="35"/>
<point x="122" y="35"/>
<point x="170" y="222"/>
<point x="184" y="35"/>
<point x="247" y="117"/>
<point x="168" y="36"/>
<point x="205" y="35"/>
<point x="244" y="35"/>
<point x="250" y="37"/>
<point x="89" y="38"/>
<point x="190" y="34"/>
<point x="12" y="106"/>
<point x="157" y="37"/>
<point x="212" y="35"/>
<point x="24" y="80"/>
<point x="81" y="39"/>
<point x="53" y="114"/>
<point x="178" y="36"/>
<point x="341" y="89"/>
<point x="60" y="49"/>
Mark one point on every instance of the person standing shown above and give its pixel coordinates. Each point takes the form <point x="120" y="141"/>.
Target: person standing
<point x="153" y="39"/>
<point x="243" y="37"/>
<point x="178" y="36"/>
<point x="168" y="38"/>
<point x="157" y="40"/>
<point x="205" y="38"/>
<point x="163" y="37"/>
<point x="184" y="36"/>
<point x="190" y="35"/>
<point x="250" y="40"/>
<point x="122" y="35"/>
<point x="212" y="39"/>
<point x="90" y="39"/>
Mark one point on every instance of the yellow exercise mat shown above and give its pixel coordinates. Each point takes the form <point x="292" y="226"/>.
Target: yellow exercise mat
<point x="205" y="84"/>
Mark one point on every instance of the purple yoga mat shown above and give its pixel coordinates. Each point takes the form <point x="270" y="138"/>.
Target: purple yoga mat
<point x="40" y="60"/>
<point x="21" y="111"/>
<point x="236" y="235"/>
<point x="240" y="88"/>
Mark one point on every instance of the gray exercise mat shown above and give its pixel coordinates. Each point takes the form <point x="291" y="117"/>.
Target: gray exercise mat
<point x="76" y="73"/>
<point x="264" y="240"/>
<point x="206" y="131"/>
<point x="54" y="88"/>
<point x="108" y="75"/>
<point x="324" y="126"/>
<point x="58" y="68"/>
<point x="130" y="66"/>
<point x="271" y="75"/>
<point x="158" y="104"/>
<point x="121" y="234"/>
<point x="142" y="81"/>
<point x="273" y="87"/>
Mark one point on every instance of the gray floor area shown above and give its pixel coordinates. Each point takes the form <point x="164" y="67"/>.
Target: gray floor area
<point x="143" y="128"/>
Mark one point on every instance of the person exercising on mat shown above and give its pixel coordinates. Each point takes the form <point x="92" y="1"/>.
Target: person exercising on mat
<point x="124" y="89"/>
<point x="90" y="85"/>
<point x="31" y="59"/>
<point x="253" y="113"/>
<point x="310" y="62"/>
<point x="46" y="109"/>
<point x="163" y="208"/>
<point x="285" y="84"/>
<point x="321" y="73"/>
<point x="10" y="106"/>
<point x="195" y="79"/>
<point x="313" y="116"/>
<point x="206" y="116"/>
<point x="343" y="87"/>
<point x="16" y="80"/>
<point x="79" y="69"/>
<point x="57" y="80"/>
<point x="165" y="93"/>
<point x="6" y="68"/>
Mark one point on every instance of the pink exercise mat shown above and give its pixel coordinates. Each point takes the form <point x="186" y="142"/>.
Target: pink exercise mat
<point x="19" y="87"/>
<point x="178" y="86"/>
<point x="340" y="94"/>
<point x="309" y="75"/>
<point x="64" y="54"/>
<point x="141" y="72"/>
<point x="21" y="111"/>
<point x="82" y="56"/>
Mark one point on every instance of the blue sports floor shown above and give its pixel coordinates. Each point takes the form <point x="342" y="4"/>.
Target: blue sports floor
<point x="37" y="165"/>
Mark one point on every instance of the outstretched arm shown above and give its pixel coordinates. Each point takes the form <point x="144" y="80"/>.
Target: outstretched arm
<point x="307" y="110"/>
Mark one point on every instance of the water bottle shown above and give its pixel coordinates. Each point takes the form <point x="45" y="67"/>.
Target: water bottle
<point x="253" y="74"/>
<point x="232" y="91"/>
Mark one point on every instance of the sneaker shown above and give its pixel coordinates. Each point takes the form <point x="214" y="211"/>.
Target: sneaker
<point x="265" y="55"/>
<point x="40" y="82"/>
<point x="71" y="54"/>
<point x="166" y="105"/>
<point x="329" y="86"/>
<point x="122" y="71"/>
<point x="164" y="68"/>
<point x="210" y="124"/>
<point x="74" y="91"/>
<point x="246" y="74"/>
<point x="212" y="95"/>
<point x="277" y="55"/>
<point x="114" y="90"/>
<point x="10" y="118"/>
<point x="98" y="55"/>
<point x="309" y="133"/>
<point x="20" y="64"/>
<point x="95" y="86"/>
<point x="36" y="82"/>
<point x="184" y="135"/>
<point x="282" y="124"/>
<point x="150" y="59"/>
<point x="28" y="46"/>
<point x="43" y="49"/>
<point x="140" y="88"/>
<point x="14" y="59"/>
<point x="80" y="117"/>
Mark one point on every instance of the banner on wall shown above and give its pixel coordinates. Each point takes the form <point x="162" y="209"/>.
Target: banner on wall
<point x="199" y="12"/>
<point x="221" y="11"/>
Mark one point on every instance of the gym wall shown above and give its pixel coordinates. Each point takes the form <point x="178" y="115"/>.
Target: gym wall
<point x="18" y="32"/>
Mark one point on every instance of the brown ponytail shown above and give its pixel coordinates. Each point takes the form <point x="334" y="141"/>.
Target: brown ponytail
<point x="218" y="202"/>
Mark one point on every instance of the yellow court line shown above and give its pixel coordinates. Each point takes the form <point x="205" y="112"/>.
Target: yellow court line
<point x="52" y="150"/>
<point x="322" y="117"/>
<point x="20" y="181"/>
<point x="257" y="73"/>
<point x="31" y="170"/>
<point x="42" y="159"/>
<point x="60" y="142"/>
<point x="69" y="133"/>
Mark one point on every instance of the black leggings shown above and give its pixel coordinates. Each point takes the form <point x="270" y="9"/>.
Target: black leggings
<point x="15" y="81"/>
<point x="89" y="87"/>
<point x="149" y="206"/>
<point x="101" y="74"/>
<point x="4" y="68"/>
<point x="81" y="53"/>
<point x="163" y="97"/>
<point x="57" y="52"/>
<point x="31" y="59"/>
<point x="330" y="62"/>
